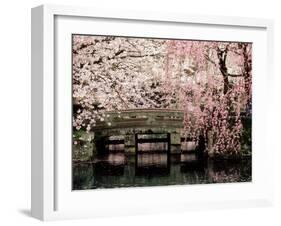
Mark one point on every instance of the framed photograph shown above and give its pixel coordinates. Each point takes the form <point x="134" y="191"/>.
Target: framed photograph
<point x="138" y="112"/>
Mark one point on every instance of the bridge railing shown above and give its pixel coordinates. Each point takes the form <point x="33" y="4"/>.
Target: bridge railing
<point x="140" y="118"/>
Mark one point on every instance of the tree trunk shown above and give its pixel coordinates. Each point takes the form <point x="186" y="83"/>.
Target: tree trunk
<point x="223" y="69"/>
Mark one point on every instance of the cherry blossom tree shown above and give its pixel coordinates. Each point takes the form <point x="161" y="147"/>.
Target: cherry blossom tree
<point x="216" y="92"/>
<point x="114" y="73"/>
<point x="210" y="81"/>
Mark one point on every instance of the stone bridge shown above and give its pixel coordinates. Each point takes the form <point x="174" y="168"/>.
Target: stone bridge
<point x="128" y="127"/>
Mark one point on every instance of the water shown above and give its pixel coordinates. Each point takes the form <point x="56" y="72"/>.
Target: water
<point x="118" y="170"/>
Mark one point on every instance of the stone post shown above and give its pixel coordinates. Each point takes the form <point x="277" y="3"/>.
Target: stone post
<point x="129" y="143"/>
<point x="175" y="142"/>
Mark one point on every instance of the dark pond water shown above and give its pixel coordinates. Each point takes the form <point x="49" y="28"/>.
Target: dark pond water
<point x="119" y="170"/>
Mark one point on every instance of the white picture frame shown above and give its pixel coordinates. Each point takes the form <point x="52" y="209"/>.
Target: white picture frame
<point x="51" y="197"/>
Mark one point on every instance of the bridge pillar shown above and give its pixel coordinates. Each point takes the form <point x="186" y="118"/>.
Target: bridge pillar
<point x="129" y="143"/>
<point x="175" y="143"/>
<point x="100" y="144"/>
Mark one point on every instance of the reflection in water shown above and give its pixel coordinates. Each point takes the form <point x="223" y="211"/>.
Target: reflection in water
<point x="151" y="169"/>
<point x="149" y="165"/>
<point x="115" y="159"/>
<point x="153" y="159"/>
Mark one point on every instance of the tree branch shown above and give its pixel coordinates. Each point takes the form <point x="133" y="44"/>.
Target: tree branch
<point x="235" y="75"/>
<point x="121" y="98"/>
<point x="210" y="60"/>
<point x="139" y="56"/>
